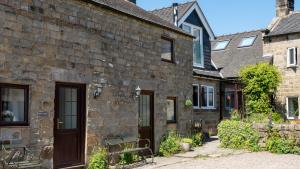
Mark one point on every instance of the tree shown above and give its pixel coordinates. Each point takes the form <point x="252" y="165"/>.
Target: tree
<point x="260" y="82"/>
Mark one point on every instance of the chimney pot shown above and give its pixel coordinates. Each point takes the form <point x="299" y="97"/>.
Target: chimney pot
<point x="284" y="7"/>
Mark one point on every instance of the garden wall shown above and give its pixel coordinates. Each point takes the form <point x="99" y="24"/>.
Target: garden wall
<point x="287" y="130"/>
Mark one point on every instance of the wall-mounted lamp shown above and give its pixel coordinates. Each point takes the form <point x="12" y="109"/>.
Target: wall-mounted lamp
<point x="99" y="87"/>
<point x="138" y="91"/>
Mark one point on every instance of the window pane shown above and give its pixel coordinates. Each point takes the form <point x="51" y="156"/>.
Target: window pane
<point x="187" y="28"/>
<point x="291" y="55"/>
<point x="248" y="41"/>
<point x="204" y="96"/>
<point x="197" y="48"/>
<point x="221" y="45"/>
<point x="166" y="49"/>
<point x="195" y="96"/>
<point x="13" y="105"/>
<point x="293" y="109"/>
<point x="211" y="97"/>
<point x="144" y="110"/>
<point x="171" y="109"/>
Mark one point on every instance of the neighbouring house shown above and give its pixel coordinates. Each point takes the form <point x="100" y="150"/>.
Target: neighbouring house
<point x="206" y="85"/>
<point x="230" y="53"/>
<point x="71" y="74"/>
<point x="282" y="42"/>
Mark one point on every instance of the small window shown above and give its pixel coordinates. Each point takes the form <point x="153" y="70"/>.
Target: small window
<point x="221" y="45"/>
<point x="207" y="97"/>
<point x="196" y="96"/>
<point x="14" y="105"/>
<point x="292" y="107"/>
<point x="292" y="59"/>
<point x="248" y="41"/>
<point x="167" y="48"/>
<point x="171" y="109"/>
<point x="187" y="28"/>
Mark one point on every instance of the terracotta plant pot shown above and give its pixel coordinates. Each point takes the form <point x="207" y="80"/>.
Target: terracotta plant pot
<point x="185" y="146"/>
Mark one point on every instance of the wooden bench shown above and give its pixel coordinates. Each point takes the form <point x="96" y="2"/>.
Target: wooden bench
<point x="19" y="157"/>
<point x="115" y="146"/>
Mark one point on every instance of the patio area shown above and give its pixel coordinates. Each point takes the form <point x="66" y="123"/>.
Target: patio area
<point x="210" y="156"/>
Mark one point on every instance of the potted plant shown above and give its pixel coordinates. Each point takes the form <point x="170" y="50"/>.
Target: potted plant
<point x="188" y="103"/>
<point x="7" y="116"/>
<point x="186" y="144"/>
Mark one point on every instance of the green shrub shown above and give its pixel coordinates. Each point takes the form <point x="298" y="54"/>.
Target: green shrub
<point x="260" y="81"/>
<point x="281" y="145"/>
<point x="198" y="139"/>
<point x="238" y="135"/>
<point x="187" y="140"/>
<point x="98" y="160"/>
<point x="129" y="158"/>
<point x="170" y="145"/>
<point x="235" y="115"/>
<point x="257" y="118"/>
<point x="278" y="118"/>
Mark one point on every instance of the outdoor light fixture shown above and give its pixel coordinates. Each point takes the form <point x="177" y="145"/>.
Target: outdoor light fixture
<point x="138" y="91"/>
<point x="99" y="87"/>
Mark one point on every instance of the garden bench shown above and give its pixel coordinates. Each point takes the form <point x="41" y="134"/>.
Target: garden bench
<point x="19" y="157"/>
<point x="117" y="146"/>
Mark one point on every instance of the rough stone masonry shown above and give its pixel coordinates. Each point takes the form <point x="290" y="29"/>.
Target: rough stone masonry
<point x="47" y="41"/>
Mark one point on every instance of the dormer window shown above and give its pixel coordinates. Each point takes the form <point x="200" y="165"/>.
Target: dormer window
<point x="292" y="59"/>
<point x="221" y="45"/>
<point x="247" y="42"/>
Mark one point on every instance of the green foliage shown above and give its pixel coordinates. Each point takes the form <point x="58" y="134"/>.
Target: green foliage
<point x="281" y="145"/>
<point x="129" y="157"/>
<point x="187" y="140"/>
<point x="238" y="135"/>
<point x="260" y="82"/>
<point x="198" y="139"/>
<point x="98" y="160"/>
<point x="277" y="118"/>
<point x="170" y="145"/>
<point x="235" y="115"/>
<point x="188" y="103"/>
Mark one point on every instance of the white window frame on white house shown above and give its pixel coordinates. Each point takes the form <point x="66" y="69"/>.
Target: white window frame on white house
<point x="287" y="107"/>
<point x="192" y="27"/>
<point x="198" y="95"/>
<point x="295" y="57"/>
<point x="207" y="97"/>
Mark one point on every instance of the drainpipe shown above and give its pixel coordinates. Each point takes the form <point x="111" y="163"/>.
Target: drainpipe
<point x="175" y="14"/>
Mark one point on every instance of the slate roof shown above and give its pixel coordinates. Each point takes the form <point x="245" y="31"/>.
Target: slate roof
<point x="233" y="58"/>
<point x="287" y="25"/>
<point x="137" y="12"/>
<point x="167" y="13"/>
<point x="207" y="73"/>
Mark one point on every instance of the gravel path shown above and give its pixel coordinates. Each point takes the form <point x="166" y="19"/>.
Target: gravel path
<point x="210" y="156"/>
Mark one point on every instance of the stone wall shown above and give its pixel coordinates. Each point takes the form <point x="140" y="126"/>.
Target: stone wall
<point x="286" y="130"/>
<point x="44" y="42"/>
<point x="290" y="86"/>
<point x="210" y="117"/>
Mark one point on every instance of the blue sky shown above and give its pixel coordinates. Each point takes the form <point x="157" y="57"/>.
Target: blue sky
<point x="228" y="16"/>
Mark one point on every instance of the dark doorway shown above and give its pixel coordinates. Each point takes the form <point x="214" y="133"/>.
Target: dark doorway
<point x="146" y="117"/>
<point x="69" y="125"/>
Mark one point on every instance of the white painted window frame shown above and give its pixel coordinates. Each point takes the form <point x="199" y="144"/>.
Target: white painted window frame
<point x="198" y="86"/>
<point x="201" y="41"/>
<point x="207" y="99"/>
<point x="295" y="57"/>
<point x="287" y="107"/>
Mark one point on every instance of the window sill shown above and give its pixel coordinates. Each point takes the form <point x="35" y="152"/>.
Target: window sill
<point x="168" y="61"/>
<point x="198" y="66"/>
<point x="208" y="108"/>
<point x="196" y="108"/>
<point x="171" y="122"/>
<point x="292" y="66"/>
<point x="3" y="124"/>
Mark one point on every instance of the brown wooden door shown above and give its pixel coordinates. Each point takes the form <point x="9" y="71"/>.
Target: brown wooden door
<point x="69" y="125"/>
<point x="146" y="117"/>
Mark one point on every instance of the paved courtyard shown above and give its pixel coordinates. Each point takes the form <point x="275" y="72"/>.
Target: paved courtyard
<point x="210" y="156"/>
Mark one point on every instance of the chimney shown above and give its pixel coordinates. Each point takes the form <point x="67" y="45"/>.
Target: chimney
<point x="132" y="1"/>
<point x="175" y="14"/>
<point x="284" y="7"/>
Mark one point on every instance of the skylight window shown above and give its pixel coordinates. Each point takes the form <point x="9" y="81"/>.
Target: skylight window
<point x="221" y="45"/>
<point x="247" y="41"/>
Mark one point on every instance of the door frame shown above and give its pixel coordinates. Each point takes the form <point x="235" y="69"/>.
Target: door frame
<point x="82" y="102"/>
<point x="152" y="114"/>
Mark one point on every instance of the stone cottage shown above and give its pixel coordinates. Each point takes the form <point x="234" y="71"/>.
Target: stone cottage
<point x="282" y="42"/>
<point x="71" y="74"/>
<point x="206" y="84"/>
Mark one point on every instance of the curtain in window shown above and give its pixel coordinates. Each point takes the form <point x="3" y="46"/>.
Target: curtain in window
<point x="13" y="103"/>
